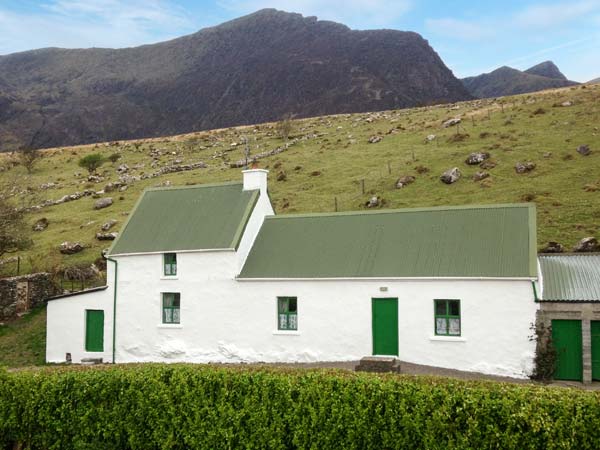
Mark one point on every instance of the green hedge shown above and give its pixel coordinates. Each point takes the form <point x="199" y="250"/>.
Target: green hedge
<point x="184" y="406"/>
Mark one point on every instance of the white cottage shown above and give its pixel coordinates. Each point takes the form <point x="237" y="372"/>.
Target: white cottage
<point x="208" y="273"/>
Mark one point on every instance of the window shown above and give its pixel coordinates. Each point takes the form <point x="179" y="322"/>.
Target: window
<point x="170" y="263"/>
<point x="287" y="313"/>
<point x="170" y="307"/>
<point x="447" y="317"/>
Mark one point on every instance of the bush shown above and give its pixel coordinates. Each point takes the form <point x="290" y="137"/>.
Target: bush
<point x="114" y="157"/>
<point x="92" y="162"/>
<point x="183" y="406"/>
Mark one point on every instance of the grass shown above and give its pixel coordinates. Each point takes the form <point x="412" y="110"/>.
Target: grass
<point x="337" y="148"/>
<point x="23" y="341"/>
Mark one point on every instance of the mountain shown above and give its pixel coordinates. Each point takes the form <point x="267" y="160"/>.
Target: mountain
<point x="253" y="69"/>
<point x="546" y="69"/>
<point x="595" y="80"/>
<point x="508" y="81"/>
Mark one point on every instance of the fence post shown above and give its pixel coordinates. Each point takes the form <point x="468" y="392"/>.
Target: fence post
<point x="362" y="184"/>
<point x="335" y="203"/>
<point x="389" y="168"/>
<point x="18" y="265"/>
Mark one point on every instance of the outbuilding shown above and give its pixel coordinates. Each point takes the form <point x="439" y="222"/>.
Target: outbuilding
<point x="208" y="273"/>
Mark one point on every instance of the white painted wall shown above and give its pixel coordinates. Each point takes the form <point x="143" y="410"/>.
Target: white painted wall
<point x="65" y="324"/>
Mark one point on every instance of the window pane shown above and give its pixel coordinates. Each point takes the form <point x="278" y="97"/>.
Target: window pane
<point x="167" y="300"/>
<point x="440" y="326"/>
<point x="176" y="300"/>
<point x="167" y="315"/>
<point x="292" y="322"/>
<point x="454" y="327"/>
<point x="283" y="304"/>
<point x="440" y="307"/>
<point x="454" y="308"/>
<point x="176" y="315"/>
<point x="292" y="304"/>
<point x="282" y="321"/>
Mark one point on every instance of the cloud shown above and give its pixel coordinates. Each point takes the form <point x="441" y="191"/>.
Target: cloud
<point x="354" y="13"/>
<point x="459" y="29"/>
<point x="87" y="23"/>
<point x="544" y="15"/>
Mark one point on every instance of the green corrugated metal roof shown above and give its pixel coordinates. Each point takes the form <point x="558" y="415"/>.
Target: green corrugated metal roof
<point x="570" y="277"/>
<point x="199" y="217"/>
<point x="474" y="241"/>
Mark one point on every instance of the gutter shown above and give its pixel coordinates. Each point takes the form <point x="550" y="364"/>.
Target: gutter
<point x="535" y="295"/>
<point x="114" y="327"/>
<point x="238" y="278"/>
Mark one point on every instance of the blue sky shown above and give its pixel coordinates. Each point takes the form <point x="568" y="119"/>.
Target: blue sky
<point x="471" y="36"/>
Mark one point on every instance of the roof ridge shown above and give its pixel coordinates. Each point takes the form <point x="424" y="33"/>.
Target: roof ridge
<point x="194" y="186"/>
<point x="546" y="255"/>
<point x="402" y="210"/>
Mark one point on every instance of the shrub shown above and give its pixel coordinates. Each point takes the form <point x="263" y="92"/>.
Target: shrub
<point x="183" y="406"/>
<point x="92" y="162"/>
<point x="114" y="157"/>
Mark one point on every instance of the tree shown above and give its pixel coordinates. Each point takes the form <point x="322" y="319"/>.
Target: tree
<point x="14" y="232"/>
<point x="28" y="157"/>
<point x="92" y="162"/>
<point x="285" y="127"/>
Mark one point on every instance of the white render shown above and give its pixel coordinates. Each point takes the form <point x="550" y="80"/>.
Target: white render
<point x="225" y="319"/>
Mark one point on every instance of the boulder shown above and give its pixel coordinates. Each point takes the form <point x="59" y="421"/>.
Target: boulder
<point x="487" y="165"/>
<point x="481" y="175"/>
<point x="373" y="202"/>
<point x="107" y="236"/>
<point x="430" y="137"/>
<point x="70" y="248"/>
<point x="567" y="103"/>
<point x="281" y="176"/>
<point x="40" y="225"/>
<point x="477" y="158"/>
<point x="95" y="178"/>
<point x="584" y="150"/>
<point x="451" y="122"/>
<point x="374" y="139"/>
<point x="404" y="181"/>
<point x="123" y="168"/>
<point x="524" y="167"/>
<point x="450" y="176"/>
<point x="588" y="244"/>
<point x="108" y="225"/>
<point x="553" y="247"/>
<point x="103" y="203"/>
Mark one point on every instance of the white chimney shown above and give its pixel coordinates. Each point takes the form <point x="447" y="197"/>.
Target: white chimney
<point x="255" y="179"/>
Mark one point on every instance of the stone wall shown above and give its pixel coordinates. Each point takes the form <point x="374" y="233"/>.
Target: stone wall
<point x="19" y="294"/>
<point x="585" y="312"/>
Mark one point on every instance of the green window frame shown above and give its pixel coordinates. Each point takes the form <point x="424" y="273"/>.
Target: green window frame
<point x="171" y="308"/>
<point x="170" y="264"/>
<point x="287" y="313"/>
<point x="446" y="317"/>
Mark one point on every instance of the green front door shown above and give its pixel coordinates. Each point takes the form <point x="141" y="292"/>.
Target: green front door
<point x="385" y="326"/>
<point x="566" y="337"/>
<point x="595" y="330"/>
<point x="94" y="330"/>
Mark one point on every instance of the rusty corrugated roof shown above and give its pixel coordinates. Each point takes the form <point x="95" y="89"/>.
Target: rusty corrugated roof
<point x="570" y="277"/>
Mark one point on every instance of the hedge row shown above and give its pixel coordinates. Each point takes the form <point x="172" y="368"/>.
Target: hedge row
<point x="184" y="406"/>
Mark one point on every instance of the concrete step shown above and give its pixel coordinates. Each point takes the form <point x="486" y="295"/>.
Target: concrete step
<point x="379" y="364"/>
<point x="91" y="361"/>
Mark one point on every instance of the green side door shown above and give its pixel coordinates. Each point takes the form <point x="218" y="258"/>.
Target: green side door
<point x="566" y="337"/>
<point x="385" y="326"/>
<point x="94" y="330"/>
<point x="595" y="331"/>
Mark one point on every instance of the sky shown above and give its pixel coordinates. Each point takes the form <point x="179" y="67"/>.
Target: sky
<point x="472" y="37"/>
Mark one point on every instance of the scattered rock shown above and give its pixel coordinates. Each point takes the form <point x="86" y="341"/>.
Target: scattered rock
<point x="588" y="244"/>
<point x="553" y="247"/>
<point x="487" y="165"/>
<point x="477" y="158"/>
<point x="281" y="176"/>
<point x="107" y="236"/>
<point x="373" y="202"/>
<point x="567" y="103"/>
<point x="103" y="203"/>
<point x="70" y="248"/>
<point x="451" y="122"/>
<point x="297" y="168"/>
<point x="592" y="187"/>
<point x="123" y="168"/>
<point x="524" y="167"/>
<point x="374" y="139"/>
<point x="95" y="178"/>
<point x="108" y="225"/>
<point x="480" y="176"/>
<point x="430" y="137"/>
<point x="421" y="169"/>
<point x="41" y="224"/>
<point x="547" y="155"/>
<point x="450" y="176"/>
<point x="404" y="181"/>
<point x="48" y="185"/>
<point x="584" y="150"/>
<point x="316" y="173"/>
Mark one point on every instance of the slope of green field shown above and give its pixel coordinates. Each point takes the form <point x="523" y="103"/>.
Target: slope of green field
<point x="330" y="157"/>
<point x="23" y="341"/>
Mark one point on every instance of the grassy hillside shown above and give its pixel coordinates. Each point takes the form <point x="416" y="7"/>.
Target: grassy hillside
<point x="331" y="158"/>
<point x="23" y="342"/>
